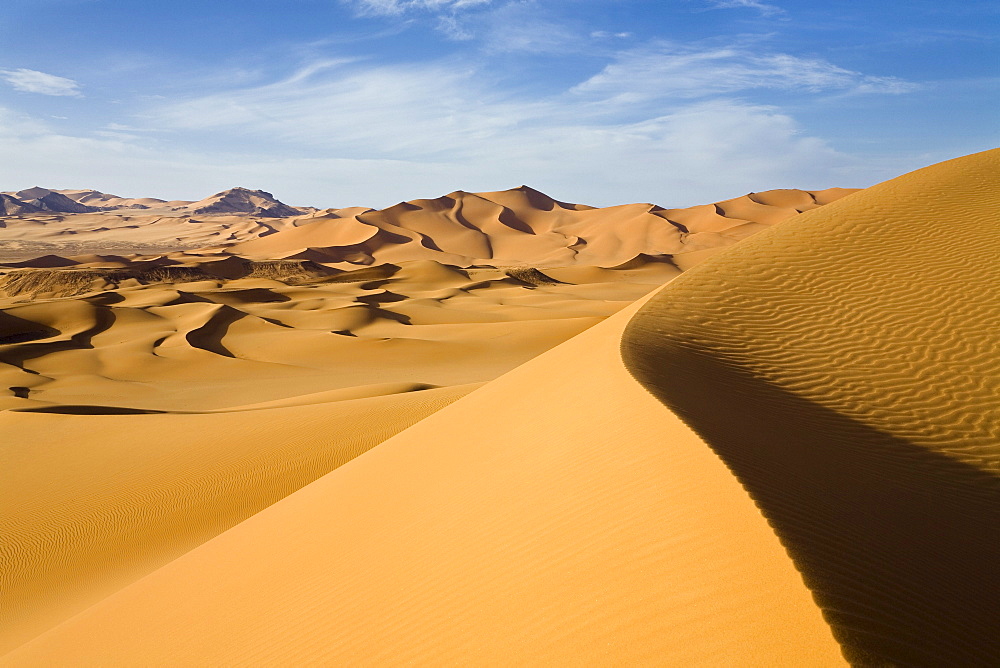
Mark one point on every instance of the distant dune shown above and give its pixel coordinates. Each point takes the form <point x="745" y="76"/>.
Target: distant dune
<point x="499" y="429"/>
<point x="519" y="227"/>
<point x="525" y="227"/>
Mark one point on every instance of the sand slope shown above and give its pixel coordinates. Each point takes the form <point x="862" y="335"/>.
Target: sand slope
<point x="558" y="515"/>
<point x="144" y="419"/>
<point x="147" y="389"/>
<point x="851" y="382"/>
<point x="93" y="502"/>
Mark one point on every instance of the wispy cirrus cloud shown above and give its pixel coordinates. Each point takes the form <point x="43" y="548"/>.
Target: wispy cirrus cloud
<point x="527" y="26"/>
<point x="33" y="81"/>
<point x="440" y="107"/>
<point x="665" y="70"/>
<point x="600" y="101"/>
<point x="451" y="123"/>
<point x="380" y="111"/>
<point x="498" y="26"/>
<point x="346" y="131"/>
<point x="762" y="7"/>
<point x="397" y="7"/>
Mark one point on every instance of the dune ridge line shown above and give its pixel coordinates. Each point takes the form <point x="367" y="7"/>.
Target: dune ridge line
<point x="856" y="369"/>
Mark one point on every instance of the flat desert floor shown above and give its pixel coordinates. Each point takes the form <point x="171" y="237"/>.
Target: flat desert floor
<point x="499" y="429"/>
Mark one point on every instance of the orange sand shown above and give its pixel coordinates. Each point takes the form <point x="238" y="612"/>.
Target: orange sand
<point x="786" y="456"/>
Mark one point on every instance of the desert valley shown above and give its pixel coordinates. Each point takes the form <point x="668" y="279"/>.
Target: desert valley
<point x="496" y="428"/>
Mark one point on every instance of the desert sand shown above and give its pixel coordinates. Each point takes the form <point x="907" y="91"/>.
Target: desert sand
<point x="499" y="429"/>
<point x="161" y="399"/>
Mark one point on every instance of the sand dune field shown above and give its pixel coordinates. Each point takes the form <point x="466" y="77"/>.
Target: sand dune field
<point x="499" y="429"/>
<point x="158" y="400"/>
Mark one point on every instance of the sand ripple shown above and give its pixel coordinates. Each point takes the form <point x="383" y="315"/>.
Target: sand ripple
<point x="850" y="379"/>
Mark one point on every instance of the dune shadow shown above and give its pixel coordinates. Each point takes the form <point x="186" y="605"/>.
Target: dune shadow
<point x="88" y="409"/>
<point x="18" y="330"/>
<point x="510" y="219"/>
<point x="27" y="335"/>
<point x="384" y="297"/>
<point x="390" y="315"/>
<point x="376" y="275"/>
<point x="248" y="296"/>
<point x="209" y="336"/>
<point x="899" y="544"/>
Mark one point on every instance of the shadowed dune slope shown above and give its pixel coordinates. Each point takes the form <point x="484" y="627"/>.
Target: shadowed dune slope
<point x="559" y="515"/>
<point x="94" y="502"/>
<point x="851" y="383"/>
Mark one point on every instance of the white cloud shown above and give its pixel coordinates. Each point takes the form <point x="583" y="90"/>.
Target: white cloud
<point x="16" y="125"/>
<point x="763" y="8"/>
<point x="396" y="7"/>
<point x="507" y="26"/>
<point x="668" y="71"/>
<point x="659" y="124"/>
<point x="499" y="26"/>
<point x="692" y="154"/>
<point x="527" y="26"/>
<point x="453" y="28"/>
<point x="33" y="81"/>
<point x="375" y="111"/>
<point x="654" y="125"/>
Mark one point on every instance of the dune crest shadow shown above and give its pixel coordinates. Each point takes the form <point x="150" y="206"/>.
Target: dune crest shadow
<point x="899" y="544"/>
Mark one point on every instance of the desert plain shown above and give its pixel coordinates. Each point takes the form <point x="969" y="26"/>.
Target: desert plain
<point x="496" y="428"/>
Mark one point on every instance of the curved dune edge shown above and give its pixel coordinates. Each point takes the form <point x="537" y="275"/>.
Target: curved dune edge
<point x="558" y="515"/>
<point x="92" y="503"/>
<point x="857" y="372"/>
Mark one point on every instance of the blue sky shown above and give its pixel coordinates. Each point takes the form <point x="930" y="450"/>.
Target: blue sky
<point x="369" y="102"/>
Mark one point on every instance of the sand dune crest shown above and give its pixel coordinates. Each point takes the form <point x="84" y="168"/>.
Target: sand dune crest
<point x="857" y="370"/>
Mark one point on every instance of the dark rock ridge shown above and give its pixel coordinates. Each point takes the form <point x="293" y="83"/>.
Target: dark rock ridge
<point x="48" y="200"/>
<point x="11" y="206"/>
<point x="245" y="201"/>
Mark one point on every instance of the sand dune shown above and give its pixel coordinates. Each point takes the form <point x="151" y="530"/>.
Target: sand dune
<point x="334" y="298"/>
<point x="152" y="416"/>
<point x="192" y="339"/>
<point x="520" y="226"/>
<point x="117" y="232"/>
<point x="94" y="502"/>
<point x="525" y="227"/>
<point x="785" y="456"/>
<point x="557" y="515"/>
<point x="858" y="372"/>
<point x="97" y="199"/>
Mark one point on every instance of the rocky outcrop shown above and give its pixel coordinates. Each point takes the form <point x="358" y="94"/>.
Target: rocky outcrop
<point x="244" y="201"/>
<point x="49" y="200"/>
<point x="11" y="206"/>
